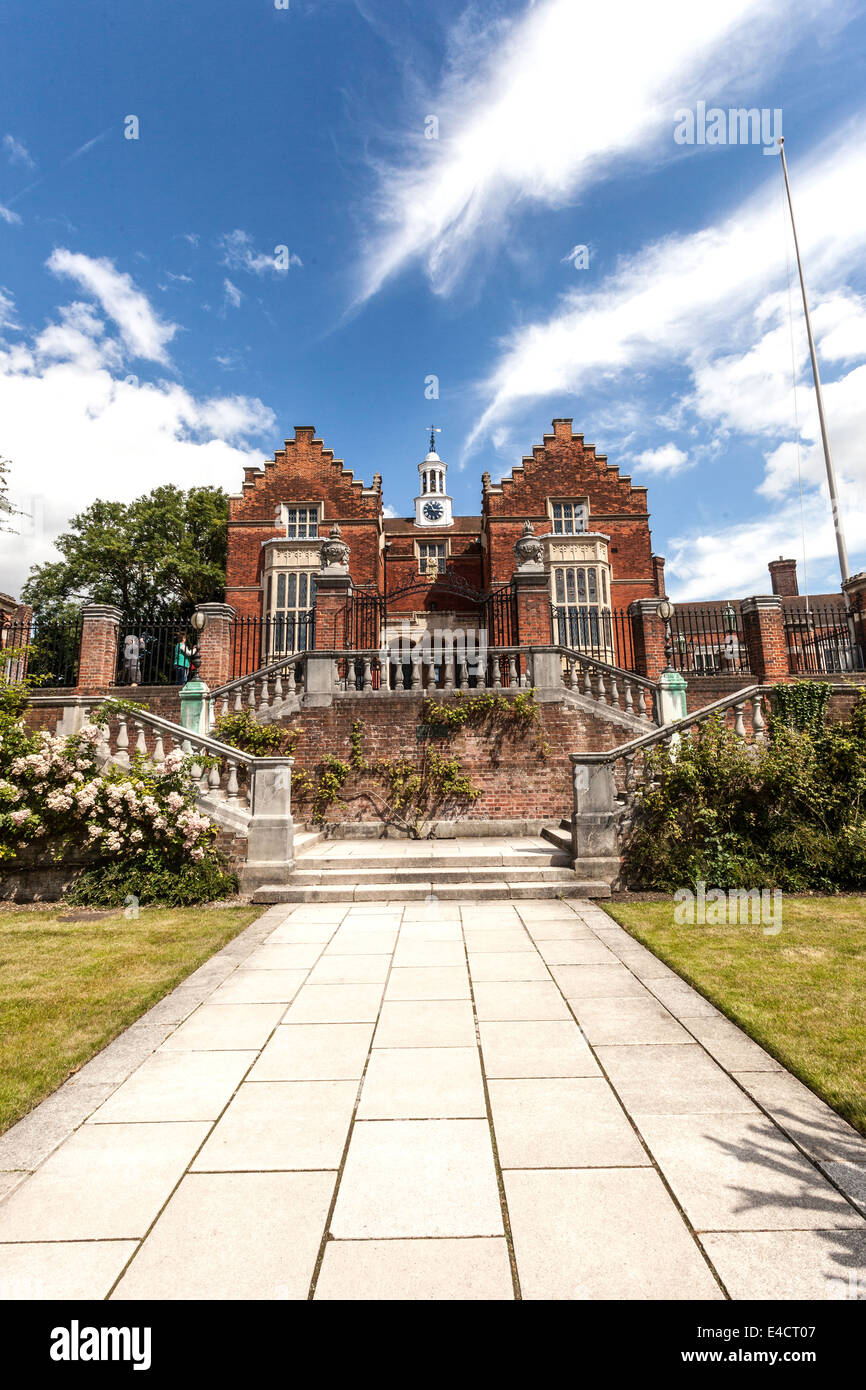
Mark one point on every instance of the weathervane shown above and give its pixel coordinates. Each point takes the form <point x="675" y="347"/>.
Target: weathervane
<point x="434" y="430"/>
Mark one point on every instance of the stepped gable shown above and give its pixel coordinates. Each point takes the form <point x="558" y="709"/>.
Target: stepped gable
<point x="305" y="471"/>
<point x="559" y="466"/>
<point x="565" y="467"/>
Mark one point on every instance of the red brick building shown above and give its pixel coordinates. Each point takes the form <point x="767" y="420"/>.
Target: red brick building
<point x="436" y="569"/>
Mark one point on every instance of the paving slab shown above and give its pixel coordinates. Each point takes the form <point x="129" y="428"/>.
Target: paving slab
<point x="473" y="1269"/>
<point x="575" y="951"/>
<point x="738" y="1172"/>
<point x="84" y="1269"/>
<point x="566" y="1122"/>
<point x="595" y="1233"/>
<point x="631" y="1021"/>
<point x="281" y="1125"/>
<point x="357" y="943"/>
<point x="549" y="1048"/>
<point x="414" y="951"/>
<point x="423" y="1083"/>
<point x="260" y="987"/>
<point x="314" y="1052"/>
<point x="274" y="956"/>
<point x="671" y="1079"/>
<point x="426" y="1023"/>
<point x="234" y="1236"/>
<point x="790" y="1264"/>
<point x="172" y="1086"/>
<point x="406" y="1178"/>
<point x="818" y="1130"/>
<point x="220" y="1027"/>
<point x="428" y="982"/>
<point x="107" y="1182"/>
<point x="336" y="1003"/>
<point x="351" y="970"/>
<point x="730" y="1046"/>
<point x="522" y="999"/>
<point x="597" y="982"/>
<point x="507" y="965"/>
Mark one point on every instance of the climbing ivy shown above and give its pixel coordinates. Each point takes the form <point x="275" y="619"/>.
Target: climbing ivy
<point x="403" y="792"/>
<point x="243" y="730"/>
<point x="512" y="716"/>
<point x="800" y="705"/>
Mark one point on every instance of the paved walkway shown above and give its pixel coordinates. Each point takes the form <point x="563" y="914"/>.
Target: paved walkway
<point x="394" y="1101"/>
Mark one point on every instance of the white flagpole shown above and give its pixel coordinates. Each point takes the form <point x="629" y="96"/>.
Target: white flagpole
<point x="825" y="438"/>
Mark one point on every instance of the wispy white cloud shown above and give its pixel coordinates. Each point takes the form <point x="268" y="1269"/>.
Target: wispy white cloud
<point x="7" y="215"/>
<point x="239" y="253"/>
<point x="18" y="153"/>
<point x="233" y="295"/>
<point x="143" y="332"/>
<point x="537" y="110"/>
<point x="88" y="145"/>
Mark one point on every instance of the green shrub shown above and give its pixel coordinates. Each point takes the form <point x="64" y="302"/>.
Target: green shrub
<point x="243" y="731"/>
<point x="787" y="813"/>
<point x="151" y="881"/>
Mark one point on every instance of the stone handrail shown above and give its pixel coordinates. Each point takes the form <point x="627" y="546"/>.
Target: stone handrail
<point x="216" y="776"/>
<point x="257" y="803"/>
<point x="599" y="812"/>
<point x="609" y="685"/>
<point x="261" y="691"/>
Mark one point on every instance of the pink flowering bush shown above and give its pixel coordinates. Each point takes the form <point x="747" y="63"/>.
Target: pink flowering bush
<point x="138" y="827"/>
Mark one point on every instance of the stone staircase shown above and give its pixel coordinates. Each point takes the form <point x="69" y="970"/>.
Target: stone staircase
<point x="601" y="869"/>
<point x="387" y="870"/>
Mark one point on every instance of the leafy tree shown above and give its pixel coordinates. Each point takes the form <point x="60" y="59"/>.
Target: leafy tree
<point x="164" y="550"/>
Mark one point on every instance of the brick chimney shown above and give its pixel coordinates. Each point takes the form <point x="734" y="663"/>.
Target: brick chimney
<point x="659" y="574"/>
<point x="783" y="575"/>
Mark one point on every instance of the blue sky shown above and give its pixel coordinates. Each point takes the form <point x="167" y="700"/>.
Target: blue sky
<point x="147" y="334"/>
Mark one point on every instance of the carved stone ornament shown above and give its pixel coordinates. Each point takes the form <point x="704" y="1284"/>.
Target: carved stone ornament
<point x="529" y="550"/>
<point x="335" y="550"/>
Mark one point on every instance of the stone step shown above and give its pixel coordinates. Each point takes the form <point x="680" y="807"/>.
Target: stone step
<point x="423" y="858"/>
<point x="425" y="873"/>
<point x="561" y="836"/>
<point x="418" y="892"/>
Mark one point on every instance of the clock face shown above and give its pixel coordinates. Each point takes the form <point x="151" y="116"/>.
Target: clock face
<point x="433" y="510"/>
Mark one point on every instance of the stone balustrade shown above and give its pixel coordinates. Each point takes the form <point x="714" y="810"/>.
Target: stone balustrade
<point x="609" y="685"/>
<point x="268" y="693"/>
<point x="606" y="783"/>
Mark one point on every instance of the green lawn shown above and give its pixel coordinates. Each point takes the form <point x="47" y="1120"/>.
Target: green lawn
<point x="801" y="994"/>
<point x="68" y="988"/>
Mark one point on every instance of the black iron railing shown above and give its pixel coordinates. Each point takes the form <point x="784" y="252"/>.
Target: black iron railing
<point x="150" y="647"/>
<point x="822" y="639"/>
<point x="44" y="648"/>
<point x="365" y="611"/>
<point x="499" y="616"/>
<point x="709" y="641"/>
<point x="256" y="642"/>
<point x="603" y="633"/>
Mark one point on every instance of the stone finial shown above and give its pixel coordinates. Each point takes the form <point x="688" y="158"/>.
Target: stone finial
<point x="335" y="551"/>
<point x="529" y="550"/>
<point x="485" y="481"/>
<point x="377" y="482"/>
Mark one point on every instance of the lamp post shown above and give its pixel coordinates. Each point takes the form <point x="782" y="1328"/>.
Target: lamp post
<point x="665" y="611"/>
<point x="196" y="622"/>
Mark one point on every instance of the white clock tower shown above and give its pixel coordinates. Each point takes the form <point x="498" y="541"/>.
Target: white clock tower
<point x="432" y="504"/>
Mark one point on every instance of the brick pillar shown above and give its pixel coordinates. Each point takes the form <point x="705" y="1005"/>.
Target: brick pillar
<point x="764" y="635"/>
<point x="855" y="593"/>
<point x="215" y="643"/>
<point x="332" y="596"/>
<point x="534" y="625"/>
<point x="97" y="659"/>
<point x="648" y="638"/>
